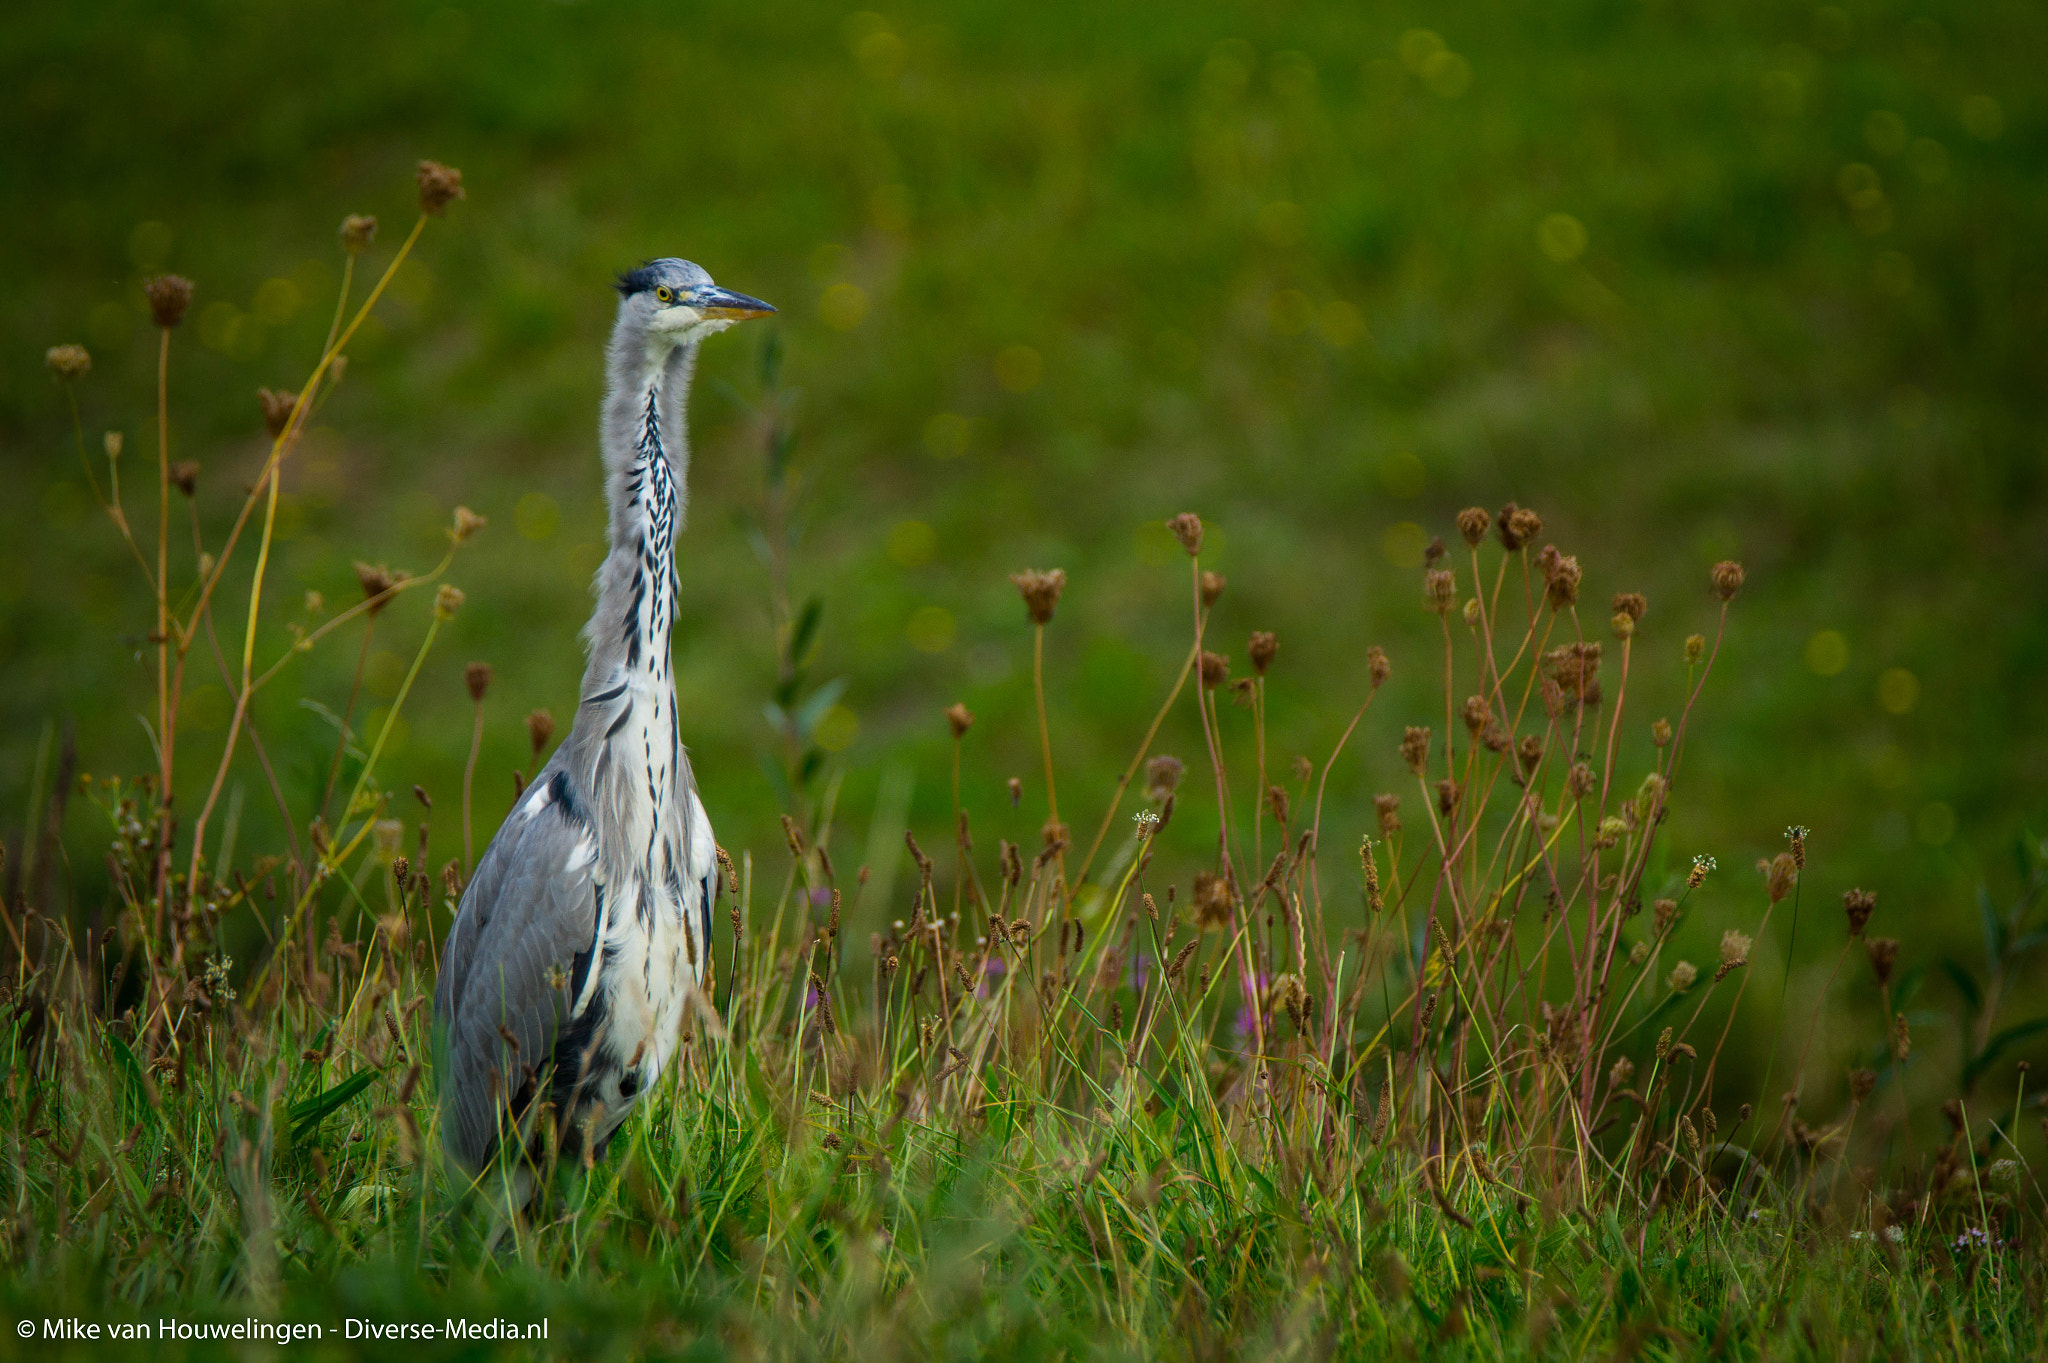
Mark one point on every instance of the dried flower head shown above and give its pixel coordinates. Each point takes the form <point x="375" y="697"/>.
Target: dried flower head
<point x="69" y="363"/>
<point x="1796" y="835"/>
<point x="1447" y="797"/>
<point x="959" y="719"/>
<point x="1518" y="527"/>
<point x="169" y="296"/>
<point x="1695" y="647"/>
<point x="1902" y="1037"/>
<point x="184" y="476"/>
<point x="1434" y="553"/>
<point x="1377" y="667"/>
<point x="1529" y="753"/>
<point x="1726" y="579"/>
<point x="1660" y="733"/>
<point x="1041" y="592"/>
<point x="447" y="601"/>
<point x="1187" y="528"/>
<point x="1623" y="625"/>
<point x="112" y="442"/>
<point x="477" y="676"/>
<point x="1415" y="748"/>
<point x="467" y="523"/>
<point x="540" y="727"/>
<point x="1861" y="1084"/>
<point x="277" y="409"/>
<point x="358" y="230"/>
<point x="1701" y="865"/>
<point x="1261" y="649"/>
<point x="1639" y="953"/>
<point x="1440" y="590"/>
<point x="1884" y="956"/>
<point x="1858" y="905"/>
<point x="1735" y="948"/>
<point x="1682" y="976"/>
<point x="1215" y="669"/>
<point x="1780" y="875"/>
<point x="1212" y="899"/>
<point x="378" y="582"/>
<point x="439" y="186"/>
<point x="1623" y="1070"/>
<point x="1162" y="775"/>
<point x="1562" y="577"/>
<point x="1664" y="913"/>
<point x="1473" y="523"/>
<point x="1580" y="780"/>
<point x="1631" y="604"/>
<point x="1212" y="587"/>
<point x="1388" y="810"/>
<point x="1475" y="714"/>
<point x="1370" y="865"/>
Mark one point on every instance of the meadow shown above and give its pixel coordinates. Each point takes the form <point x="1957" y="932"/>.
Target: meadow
<point x="1330" y="929"/>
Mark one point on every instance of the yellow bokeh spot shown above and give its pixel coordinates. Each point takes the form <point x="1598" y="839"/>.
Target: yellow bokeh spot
<point x="1341" y="324"/>
<point x="1401" y="474"/>
<point x="911" y="544"/>
<point x="1561" y="237"/>
<point x="1898" y="690"/>
<point x="1827" y="653"/>
<point x="945" y="435"/>
<point x="1447" y="74"/>
<point x="537" y="516"/>
<point x="1403" y="543"/>
<point x="1019" y="368"/>
<point x="842" y="306"/>
<point x="837" y="730"/>
<point x="1418" y="47"/>
<point x="276" y="301"/>
<point x="930" y="629"/>
<point x="1936" y="824"/>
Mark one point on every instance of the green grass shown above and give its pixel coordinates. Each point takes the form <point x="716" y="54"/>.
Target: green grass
<point x="1047" y="281"/>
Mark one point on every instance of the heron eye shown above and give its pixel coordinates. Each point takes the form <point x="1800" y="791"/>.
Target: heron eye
<point x="664" y="293"/>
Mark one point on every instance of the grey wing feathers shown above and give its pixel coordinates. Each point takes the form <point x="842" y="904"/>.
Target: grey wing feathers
<point x="526" y="916"/>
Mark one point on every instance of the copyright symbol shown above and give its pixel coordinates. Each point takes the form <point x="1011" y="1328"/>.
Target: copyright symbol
<point x="26" y="1329"/>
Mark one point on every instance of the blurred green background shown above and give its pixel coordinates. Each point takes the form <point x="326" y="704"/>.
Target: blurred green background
<point x="1693" y="280"/>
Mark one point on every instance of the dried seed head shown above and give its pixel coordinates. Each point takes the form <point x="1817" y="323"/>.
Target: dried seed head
<point x="1859" y="905"/>
<point x="1212" y="898"/>
<point x="1187" y="528"/>
<point x="1446" y="797"/>
<point x="1735" y="948"/>
<point x="1631" y="604"/>
<point x="277" y="409"/>
<point x="1276" y="800"/>
<point x="1473" y="523"/>
<point x="401" y="870"/>
<point x="1660" y="733"/>
<point x="447" y="601"/>
<point x="1016" y="790"/>
<point x="1415" y="748"/>
<point x="1370" y="865"/>
<point x="1440" y="590"/>
<point x="1780" y="874"/>
<point x="378" y="582"/>
<point x="1261" y="650"/>
<point x="1902" y="1037"/>
<point x="169" y="296"/>
<point x="1884" y="956"/>
<point x="478" y="678"/>
<point x="1624" y="1069"/>
<point x="1432" y="555"/>
<point x="1664" y="1043"/>
<point x="184" y="476"/>
<point x="1215" y="669"/>
<point x="1623" y="625"/>
<point x="1041" y="592"/>
<point x="69" y="363"/>
<point x="1638" y="954"/>
<point x="439" y="186"/>
<point x="1377" y="667"/>
<point x="112" y="442"/>
<point x="1517" y="527"/>
<point x="1861" y="1084"/>
<point x="1475" y="714"/>
<point x="1796" y="835"/>
<point x="1212" y="587"/>
<point x="1303" y="768"/>
<point x="1695" y="647"/>
<point x="1562" y="575"/>
<point x="1529" y="753"/>
<point x="467" y="523"/>
<point x="540" y="727"/>
<point x="1580" y="781"/>
<point x="1162" y="775"/>
<point x="358" y="230"/>
<point x="959" y="719"/>
<point x="1682" y="976"/>
<point x="1388" y="808"/>
<point x="1698" y="875"/>
<point x="1664" y="913"/>
<point x="1726" y="579"/>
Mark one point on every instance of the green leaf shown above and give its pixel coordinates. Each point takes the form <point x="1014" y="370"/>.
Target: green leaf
<point x="821" y="700"/>
<point x="310" y="1113"/>
<point x="2019" y="1031"/>
<point x="806" y="630"/>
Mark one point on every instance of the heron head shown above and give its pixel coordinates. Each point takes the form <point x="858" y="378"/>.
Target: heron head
<point x="675" y="301"/>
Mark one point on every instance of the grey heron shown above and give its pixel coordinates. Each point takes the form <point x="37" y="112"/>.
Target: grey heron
<point x="588" y="919"/>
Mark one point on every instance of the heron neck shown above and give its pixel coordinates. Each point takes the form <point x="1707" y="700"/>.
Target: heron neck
<point x="647" y="454"/>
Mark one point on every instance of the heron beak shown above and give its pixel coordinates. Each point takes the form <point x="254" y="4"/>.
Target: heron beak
<point x="712" y="301"/>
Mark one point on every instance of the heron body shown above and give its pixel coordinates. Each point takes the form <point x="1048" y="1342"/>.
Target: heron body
<point x="588" y="918"/>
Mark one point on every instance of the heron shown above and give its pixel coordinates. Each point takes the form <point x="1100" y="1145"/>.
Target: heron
<point x="587" y="921"/>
